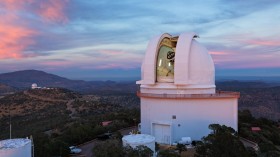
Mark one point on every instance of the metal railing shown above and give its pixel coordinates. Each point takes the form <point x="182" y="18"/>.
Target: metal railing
<point x="219" y="94"/>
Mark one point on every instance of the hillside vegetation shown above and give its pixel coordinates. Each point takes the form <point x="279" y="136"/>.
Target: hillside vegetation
<point x="58" y="118"/>
<point x="5" y="89"/>
<point x="263" y="100"/>
<point x="268" y="138"/>
<point x="34" y="110"/>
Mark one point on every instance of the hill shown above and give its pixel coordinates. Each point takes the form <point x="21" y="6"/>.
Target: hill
<point x="38" y="110"/>
<point x="262" y="99"/>
<point x="24" y="79"/>
<point x="61" y="117"/>
<point x="235" y="84"/>
<point x="5" y="89"/>
<point x="268" y="138"/>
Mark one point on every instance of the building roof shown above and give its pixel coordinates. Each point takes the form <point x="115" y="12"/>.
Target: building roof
<point x="138" y="139"/>
<point x="255" y="128"/>
<point x="13" y="143"/>
<point x="106" y="123"/>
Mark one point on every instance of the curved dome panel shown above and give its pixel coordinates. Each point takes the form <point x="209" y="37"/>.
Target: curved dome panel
<point x="201" y="65"/>
<point x="148" y="68"/>
<point x="193" y="64"/>
<point x="182" y="58"/>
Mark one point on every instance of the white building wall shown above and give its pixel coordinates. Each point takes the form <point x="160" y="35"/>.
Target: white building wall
<point x="193" y="116"/>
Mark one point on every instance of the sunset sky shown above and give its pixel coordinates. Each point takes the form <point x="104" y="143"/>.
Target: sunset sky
<point x="104" y="39"/>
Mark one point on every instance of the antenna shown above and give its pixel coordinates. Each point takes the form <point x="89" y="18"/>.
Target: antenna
<point x="31" y="138"/>
<point x="10" y="121"/>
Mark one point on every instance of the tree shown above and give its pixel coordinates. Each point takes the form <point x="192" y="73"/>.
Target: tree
<point x="194" y="143"/>
<point x="109" y="148"/>
<point x="168" y="153"/>
<point x="58" y="147"/>
<point x="118" y="135"/>
<point x="139" y="151"/>
<point x="222" y="142"/>
<point x="114" y="148"/>
<point x="156" y="147"/>
<point x="181" y="147"/>
<point x="130" y="152"/>
<point x="144" y="151"/>
<point x="245" y="116"/>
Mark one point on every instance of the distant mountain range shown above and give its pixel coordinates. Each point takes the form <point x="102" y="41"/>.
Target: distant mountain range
<point x="20" y="80"/>
<point x="259" y="97"/>
<point x="266" y="79"/>
<point x="24" y="79"/>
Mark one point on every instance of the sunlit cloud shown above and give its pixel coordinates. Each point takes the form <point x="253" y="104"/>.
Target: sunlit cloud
<point x="61" y="35"/>
<point x="17" y="35"/>
<point x="14" y="38"/>
<point x="218" y="53"/>
<point x="52" y="10"/>
<point x="264" y="42"/>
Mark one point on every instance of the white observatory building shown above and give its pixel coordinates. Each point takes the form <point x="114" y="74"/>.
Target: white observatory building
<point x="178" y="92"/>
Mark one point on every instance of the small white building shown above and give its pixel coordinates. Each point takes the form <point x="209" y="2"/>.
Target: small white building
<point x="34" y="86"/>
<point x="135" y="140"/>
<point x="178" y="92"/>
<point x="20" y="147"/>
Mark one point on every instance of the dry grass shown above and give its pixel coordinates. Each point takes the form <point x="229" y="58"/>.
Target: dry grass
<point x="189" y="153"/>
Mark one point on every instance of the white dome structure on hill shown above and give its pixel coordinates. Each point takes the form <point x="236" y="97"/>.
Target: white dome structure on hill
<point x="178" y="92"/>
<point x="34" y="86"/>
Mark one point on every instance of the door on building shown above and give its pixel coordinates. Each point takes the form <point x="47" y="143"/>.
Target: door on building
<point x="162" y="133"/>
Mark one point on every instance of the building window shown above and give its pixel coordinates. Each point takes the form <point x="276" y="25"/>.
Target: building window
<point x="174" y="117"/>
<point x="165" y="62"/>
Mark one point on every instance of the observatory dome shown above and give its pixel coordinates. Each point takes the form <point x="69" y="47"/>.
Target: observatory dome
<point x="34" y="85"/>
<point x="177" y="62"/>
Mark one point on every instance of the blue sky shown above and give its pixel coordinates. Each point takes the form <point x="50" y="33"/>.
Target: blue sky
<point x="107" y="39"/>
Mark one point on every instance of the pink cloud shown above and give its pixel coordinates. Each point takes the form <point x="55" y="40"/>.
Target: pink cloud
<point x="253" y="64"/>
<point x="48" y="10"/>
<point x="14" y="4"/>
<point x="245" y="59"/>
<point x="264" y="42"/>
<point x="218" y="53"/>
<point x="247" y="53"/>
<point x="14" y="38"/>
<point x="52" y="10"/>
<point x="16" y="35"/>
